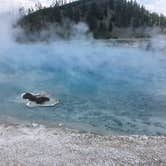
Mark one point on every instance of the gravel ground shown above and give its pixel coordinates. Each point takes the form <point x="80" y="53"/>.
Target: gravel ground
<point x="40" y="146"/>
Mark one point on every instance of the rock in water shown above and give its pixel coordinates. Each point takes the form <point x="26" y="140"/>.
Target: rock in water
<point x="38" y="99"/>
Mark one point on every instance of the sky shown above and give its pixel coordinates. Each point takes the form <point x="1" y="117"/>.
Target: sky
<point x="153" y="5"/>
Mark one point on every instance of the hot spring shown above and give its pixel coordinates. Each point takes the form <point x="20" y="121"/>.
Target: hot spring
<point x="103" y="88"/>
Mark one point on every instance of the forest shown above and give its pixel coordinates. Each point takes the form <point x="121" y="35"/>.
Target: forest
<point x="102" y="17"/>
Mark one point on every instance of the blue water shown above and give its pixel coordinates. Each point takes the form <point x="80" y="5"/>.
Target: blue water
<point x="102" y="88"/>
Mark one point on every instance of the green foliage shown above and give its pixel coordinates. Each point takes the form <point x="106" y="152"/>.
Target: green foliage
<point x="101" y="16"/>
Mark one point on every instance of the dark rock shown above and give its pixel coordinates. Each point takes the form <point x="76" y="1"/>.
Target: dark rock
<point x="38" y="99"/>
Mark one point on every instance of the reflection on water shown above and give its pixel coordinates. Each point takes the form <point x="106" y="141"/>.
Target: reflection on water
<point x="102" y="88"/>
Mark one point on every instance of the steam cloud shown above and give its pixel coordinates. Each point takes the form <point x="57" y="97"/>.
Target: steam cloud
<point x="63" y="67"/>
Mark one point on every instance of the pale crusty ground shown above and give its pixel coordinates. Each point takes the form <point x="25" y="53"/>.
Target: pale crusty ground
<point x="40" y="146"/>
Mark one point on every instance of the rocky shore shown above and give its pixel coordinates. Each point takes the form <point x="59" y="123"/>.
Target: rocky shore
<point x="40" y="146"/>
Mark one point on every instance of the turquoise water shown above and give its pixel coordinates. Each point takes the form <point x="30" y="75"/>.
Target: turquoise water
<point x="102" y="88"/>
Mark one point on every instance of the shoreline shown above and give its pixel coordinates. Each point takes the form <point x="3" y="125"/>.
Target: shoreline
<point x="40" y="145"/>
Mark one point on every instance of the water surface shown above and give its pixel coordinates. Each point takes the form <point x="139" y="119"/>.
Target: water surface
<point x="102" y="88"/>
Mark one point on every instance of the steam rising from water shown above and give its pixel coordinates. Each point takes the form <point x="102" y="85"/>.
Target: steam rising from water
<point x="103" y="85"/>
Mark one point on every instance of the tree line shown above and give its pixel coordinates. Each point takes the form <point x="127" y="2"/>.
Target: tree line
<point x="101" y="16"/>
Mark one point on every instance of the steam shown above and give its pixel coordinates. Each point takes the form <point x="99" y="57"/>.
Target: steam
<point x="55" y="32"/>
<point x="83" y="72"/>
<point x="79" y="46"/>
<point x="6" y="21"/>
<point x="158" y="43"/>
<point x="78" y="40"/>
